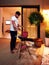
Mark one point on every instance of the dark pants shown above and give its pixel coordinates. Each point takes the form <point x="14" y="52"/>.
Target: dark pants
<point x="13" y="39"/>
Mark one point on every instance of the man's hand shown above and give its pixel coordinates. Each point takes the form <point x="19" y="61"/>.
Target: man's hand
<point x="18" y="28"/>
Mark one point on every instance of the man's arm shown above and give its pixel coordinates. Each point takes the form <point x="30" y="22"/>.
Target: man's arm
<point x="20" y="26"/>
<point x="14" y="25"/>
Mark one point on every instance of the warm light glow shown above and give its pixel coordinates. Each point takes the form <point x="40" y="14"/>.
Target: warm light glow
<point x="46" y="16"/>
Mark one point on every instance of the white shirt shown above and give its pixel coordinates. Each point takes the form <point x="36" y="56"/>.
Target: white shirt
<point x="14" y="19"/>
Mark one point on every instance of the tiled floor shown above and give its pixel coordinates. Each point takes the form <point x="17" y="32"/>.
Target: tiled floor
<point x="6" y="58"/>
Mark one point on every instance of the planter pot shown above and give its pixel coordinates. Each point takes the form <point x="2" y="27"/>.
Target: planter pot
<point x="46" y="41"/>
<point x="38" y="42"/>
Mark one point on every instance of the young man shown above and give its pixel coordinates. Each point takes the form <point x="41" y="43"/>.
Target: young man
<point x="13" y="30"/>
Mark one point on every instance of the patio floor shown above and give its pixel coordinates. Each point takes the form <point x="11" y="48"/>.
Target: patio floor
<point x="6" y="58"/>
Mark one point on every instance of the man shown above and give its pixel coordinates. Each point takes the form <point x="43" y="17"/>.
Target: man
<point x="13" y="30"/>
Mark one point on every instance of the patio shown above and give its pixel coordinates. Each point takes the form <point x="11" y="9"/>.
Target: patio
<point x="6" y="58"/>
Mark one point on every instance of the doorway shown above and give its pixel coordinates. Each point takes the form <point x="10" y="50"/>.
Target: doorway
<point x="31" y="29"/>
<point x="6" y="14"/>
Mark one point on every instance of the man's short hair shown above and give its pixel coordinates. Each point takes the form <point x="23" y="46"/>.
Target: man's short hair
<point x="18" y="13"/>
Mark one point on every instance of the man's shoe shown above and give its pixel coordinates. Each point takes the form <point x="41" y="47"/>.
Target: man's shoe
<point x="13" y="51"/>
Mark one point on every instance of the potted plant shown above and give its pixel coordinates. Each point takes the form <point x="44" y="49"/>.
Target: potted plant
<point x="47" y="36"/>
<point x="36" y="18"/>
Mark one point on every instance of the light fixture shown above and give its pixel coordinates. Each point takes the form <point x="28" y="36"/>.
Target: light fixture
<point x="46" y="16"/>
